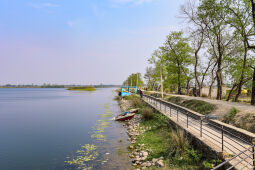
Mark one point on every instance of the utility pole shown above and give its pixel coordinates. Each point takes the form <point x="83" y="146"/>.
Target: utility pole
<point x="137" y="80"/>
<point x="161" y="81"/>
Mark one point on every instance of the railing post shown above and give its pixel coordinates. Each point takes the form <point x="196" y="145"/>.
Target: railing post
<point x="165" y="108"/>
<point x="201" y="123"/>
<point x="253" y="157"/>
<point x="160" y="105"/>
<point x="222" y="139"/>
<point x="187" y="120"/>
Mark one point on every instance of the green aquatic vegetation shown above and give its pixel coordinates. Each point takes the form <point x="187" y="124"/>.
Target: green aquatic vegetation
<point x="88" y="152"/>
<point x="98" y="136"/>
<point x="85" y="154"/>
<point x="82" y="88"/>
<point x="106" y="115"/>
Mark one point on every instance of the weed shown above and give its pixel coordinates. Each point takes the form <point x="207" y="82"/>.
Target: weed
<point x="229" y="118"/>
<point x="137" y="103"/>
<point x="199" y="106"/>
<point x="147" y="113"/>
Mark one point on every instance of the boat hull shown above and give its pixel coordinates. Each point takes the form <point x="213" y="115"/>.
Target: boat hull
<point x="124" y="118"/>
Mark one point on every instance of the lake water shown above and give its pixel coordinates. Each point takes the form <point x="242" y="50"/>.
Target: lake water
<point x="43" y="128"/>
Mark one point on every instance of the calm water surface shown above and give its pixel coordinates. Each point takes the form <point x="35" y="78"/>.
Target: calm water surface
<point x="41" y="128"/>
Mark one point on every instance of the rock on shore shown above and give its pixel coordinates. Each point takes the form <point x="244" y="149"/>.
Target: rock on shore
<point x="139" y="154"/>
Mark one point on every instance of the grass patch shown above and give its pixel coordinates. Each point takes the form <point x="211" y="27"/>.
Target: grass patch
<point x="82" y="88"/>
<point x="199" y="106"/>
<point x="161" y="140"/>
<point x="229" y="118"/>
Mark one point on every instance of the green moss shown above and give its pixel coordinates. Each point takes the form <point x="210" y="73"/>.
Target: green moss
<point x="82" y="88"/>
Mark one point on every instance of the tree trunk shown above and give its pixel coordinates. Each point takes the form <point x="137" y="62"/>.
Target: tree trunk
<point x="210" y="91"/>
<point x="210" y="88"/>
<point x="253" y="89"/>
<point x="161" y="82"/>
<point x="253" y="12"/>
<point x="179" y="81"/>
<point x="196" y="76"/>
<point x="219" y="84"/>
<point x="231" y="91"/>
<point x="200" y="91"/>
<point x="187" y="87"/>
<point x="242" y="74"/>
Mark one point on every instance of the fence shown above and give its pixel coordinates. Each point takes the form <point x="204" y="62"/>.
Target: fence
<point x="237" y="144"/>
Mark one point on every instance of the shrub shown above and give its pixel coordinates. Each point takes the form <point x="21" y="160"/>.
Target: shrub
<point x="179" y="141"/>
<point x="147" y="113"/>
<point x="229" y="118"/>
<point x="176" y="100"/>
<point x="199" y="106"/>
<point x="137" y="103"/>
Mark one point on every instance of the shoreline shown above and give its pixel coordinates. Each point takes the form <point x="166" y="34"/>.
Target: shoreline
<point x="138" y="154"/>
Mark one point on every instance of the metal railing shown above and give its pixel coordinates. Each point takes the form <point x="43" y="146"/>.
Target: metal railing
<point x="238" y="148"/>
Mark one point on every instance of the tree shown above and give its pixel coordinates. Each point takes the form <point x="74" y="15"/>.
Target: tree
<point x="218" y="34"/>
<point x="134" y="79"/>
<point x="177" y="55"/>
<point x="239" y="17"/>
<point x="158" y="59"/>
<point x="197" y="38"/>
<point x="148" y="76"/>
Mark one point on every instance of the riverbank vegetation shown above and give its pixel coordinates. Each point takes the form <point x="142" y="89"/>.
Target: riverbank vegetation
<point x="199" y="106"/>
<point x="82" y="88"/>
<point x="214" y="59"/>
<point x="163" y="142"/>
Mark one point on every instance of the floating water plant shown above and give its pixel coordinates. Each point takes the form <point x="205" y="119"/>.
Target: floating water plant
<point x="85" y="154"/>
<point x="88" y="152"/>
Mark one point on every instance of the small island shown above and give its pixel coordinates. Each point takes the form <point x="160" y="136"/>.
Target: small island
<point x="82" y="88"/>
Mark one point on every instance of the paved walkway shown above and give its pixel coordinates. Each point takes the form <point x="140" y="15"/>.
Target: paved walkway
<point x="211" y="135"/>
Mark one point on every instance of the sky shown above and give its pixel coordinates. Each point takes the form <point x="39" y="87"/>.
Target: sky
<point x="81" y="41"/>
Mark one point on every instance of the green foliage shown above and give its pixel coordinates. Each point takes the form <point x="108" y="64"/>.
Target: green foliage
<point x="131" y="97"/>
<point x="199" y="106"/>
<point x="137" y="103"/>
<point x="229" y="118"/>
<point x="82" y="88"/>
<point x="161" y="140"/>
<point x="210" y="164"/>
<point x="134" y="79"/>
<point x="176" y="100"/>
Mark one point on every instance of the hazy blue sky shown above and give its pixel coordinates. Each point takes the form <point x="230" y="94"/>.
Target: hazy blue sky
<point x="81" y="41"/>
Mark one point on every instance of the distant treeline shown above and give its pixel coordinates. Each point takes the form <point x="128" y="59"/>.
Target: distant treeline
<point x="56" y="86"/>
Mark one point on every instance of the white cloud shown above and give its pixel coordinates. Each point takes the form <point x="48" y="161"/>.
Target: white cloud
<point x="44" y="5"/>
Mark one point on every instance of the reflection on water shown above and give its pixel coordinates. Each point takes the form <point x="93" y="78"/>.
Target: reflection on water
<point x="43" y="128"/>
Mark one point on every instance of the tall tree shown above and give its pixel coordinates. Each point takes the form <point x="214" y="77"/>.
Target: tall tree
<point x="239" y="17"/>
<point x="197" y="38"/>
<point x="178" y="58"/>
<point x="213" y="15"/>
